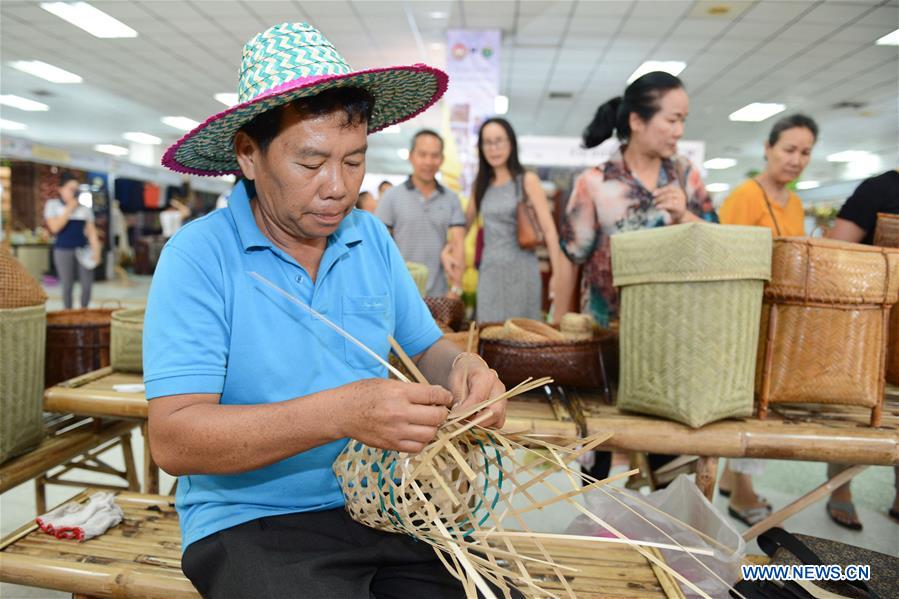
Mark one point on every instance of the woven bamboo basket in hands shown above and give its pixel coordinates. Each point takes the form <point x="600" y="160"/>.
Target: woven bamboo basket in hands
<point x="126" y="340"/>
<point x="887" y="235"/>
<point x="824" y="324"/>
<point x="446" y="311"/>
<point x="690" y="302"/>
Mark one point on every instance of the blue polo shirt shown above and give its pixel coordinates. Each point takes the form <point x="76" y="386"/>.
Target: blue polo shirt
<point x="211" y="328"/>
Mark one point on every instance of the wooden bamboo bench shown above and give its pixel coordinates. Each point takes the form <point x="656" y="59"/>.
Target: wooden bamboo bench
<point x="141" y="557"/>
<point x="73" y="443"/>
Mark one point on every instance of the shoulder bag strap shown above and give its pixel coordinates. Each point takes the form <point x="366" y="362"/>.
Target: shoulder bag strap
<point x="770" y="209"/>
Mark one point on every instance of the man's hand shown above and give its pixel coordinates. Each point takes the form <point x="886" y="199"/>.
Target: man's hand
<point x="452" y="267"/>
<point x="394" y="415"/>
<point x="482" y="384"/>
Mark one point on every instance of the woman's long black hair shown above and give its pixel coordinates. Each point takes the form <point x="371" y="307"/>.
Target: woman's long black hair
<point x="485" y="171"/>
<point x="642" y="97"/>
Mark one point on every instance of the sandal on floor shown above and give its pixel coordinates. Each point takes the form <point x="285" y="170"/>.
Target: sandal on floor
<point x="847" y="508"/>
<point x="751" y="516"/>
<point x="723" y="492"/>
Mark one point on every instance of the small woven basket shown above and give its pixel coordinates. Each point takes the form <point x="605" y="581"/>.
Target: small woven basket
<point x="77" y="342"/>
<point x="126" y="340"/>
<point x="825" y="324"/>
<point x="690" y="302"/>
<point x="446" y="311"/>
<point x="419" y="274"/>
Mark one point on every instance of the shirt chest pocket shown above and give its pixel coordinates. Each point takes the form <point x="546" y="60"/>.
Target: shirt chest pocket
<point x="368" y="319"/>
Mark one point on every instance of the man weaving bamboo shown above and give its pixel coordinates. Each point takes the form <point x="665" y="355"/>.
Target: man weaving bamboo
<point x="251" y="398"/>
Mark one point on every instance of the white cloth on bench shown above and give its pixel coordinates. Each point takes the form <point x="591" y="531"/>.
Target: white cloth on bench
<point x="82" y="521"/>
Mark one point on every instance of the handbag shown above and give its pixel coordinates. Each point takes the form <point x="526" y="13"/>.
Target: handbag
<point x="788" y="549"/>
<point x="530" y="235"/>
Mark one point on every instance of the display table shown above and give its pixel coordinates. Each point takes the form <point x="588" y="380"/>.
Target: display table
<point x="838" y="434"/>
<point x="141" y="557"/>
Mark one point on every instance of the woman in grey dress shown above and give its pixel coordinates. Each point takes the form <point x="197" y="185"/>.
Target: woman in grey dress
<point x="509" y="276"/>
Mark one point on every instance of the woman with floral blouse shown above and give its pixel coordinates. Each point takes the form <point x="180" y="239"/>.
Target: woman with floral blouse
<point x="644" y="184"/>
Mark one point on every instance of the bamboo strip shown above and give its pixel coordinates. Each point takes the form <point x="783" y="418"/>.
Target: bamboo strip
<point x="671" y="588"/>
<point x="408" y="362"/>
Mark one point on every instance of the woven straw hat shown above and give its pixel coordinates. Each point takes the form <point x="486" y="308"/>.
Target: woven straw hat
<point x="290" y="61"/>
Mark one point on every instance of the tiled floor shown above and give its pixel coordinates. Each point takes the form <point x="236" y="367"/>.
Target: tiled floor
<point x="782" y="481"/>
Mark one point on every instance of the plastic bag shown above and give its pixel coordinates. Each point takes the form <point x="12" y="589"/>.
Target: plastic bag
<point x="680" y="501"/>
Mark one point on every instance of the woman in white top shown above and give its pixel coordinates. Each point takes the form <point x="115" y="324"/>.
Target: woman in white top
<point x="77" y="246"/>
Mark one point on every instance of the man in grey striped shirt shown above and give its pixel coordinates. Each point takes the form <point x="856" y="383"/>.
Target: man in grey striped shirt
<point x="422" y="215"/>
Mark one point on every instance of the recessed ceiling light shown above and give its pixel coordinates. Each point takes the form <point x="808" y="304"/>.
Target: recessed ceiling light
<point x="438" y="14"/>
<point x="227" y="98"/>
<point x="849" y="156"/>
<point x="890" y="39"/>
<point x="673" y="67"/>
<point x="93" y="20"/>
<point x="808" y="185"/>
<point x="435" y="46"/>
<point x="142" y="138"/>
<point x="716" y="187"/>
<point x="501" y="104"/>
<point x="757" y="111"/>
<point x="392" y="130"/>
<point x="46" y="71"/>
<point x="403" y="153"/>
<point x="111" y="149"/>
<point x="180" y="122"/>
<point x="12" y="125"/>
<point x="719" y="163"/>
<point x="22" y="103"/>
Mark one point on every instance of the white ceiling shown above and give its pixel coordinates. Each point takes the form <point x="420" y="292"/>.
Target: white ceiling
<point x="809" y="55"/>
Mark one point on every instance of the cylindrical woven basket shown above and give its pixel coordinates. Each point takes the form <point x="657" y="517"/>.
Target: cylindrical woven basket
<point x="18" y="289"/>
<point x="447" y="311"/>
<point x="887" y="232"/>
<point x="22" y="337"/>
<point x="892" y="375"/>
<point x="419" y="274"/>
<point x="824" y="326"/>
<point x="569" y="363"/>
<point x="126" y="340"/>
<point x="691" y="296"/>
<point x="887" y="235"/>
<point x="77" y="342"/>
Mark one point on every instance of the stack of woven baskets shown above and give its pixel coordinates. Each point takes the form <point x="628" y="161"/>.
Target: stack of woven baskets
<point x="23" y="326"/>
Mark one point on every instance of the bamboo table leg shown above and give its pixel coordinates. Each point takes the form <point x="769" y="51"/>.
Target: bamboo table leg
<point x="803" y="502"/>
<point x="151" y="470"/>
<point x="706" y="475"/>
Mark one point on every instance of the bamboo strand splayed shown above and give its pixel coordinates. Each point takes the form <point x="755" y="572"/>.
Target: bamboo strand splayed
<point x="458" y="492"/>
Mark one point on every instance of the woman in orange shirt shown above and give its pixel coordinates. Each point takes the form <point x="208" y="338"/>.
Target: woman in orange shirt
<point x="765" y="201"/>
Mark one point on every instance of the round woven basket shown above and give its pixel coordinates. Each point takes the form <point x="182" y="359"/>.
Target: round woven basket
<point x="570" y="363"/>
<point x="126" y="340"/>
<point x="886" y="234"/>
<point x="77" y="342"/>
<point x="374" y="484"/>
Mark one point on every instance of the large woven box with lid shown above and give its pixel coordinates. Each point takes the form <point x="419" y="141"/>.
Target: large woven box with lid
<point x="691" y="296"/>
<point x="824" y="324"/>
<point x="887" y="235"/>
<point x="23" y="327"/>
